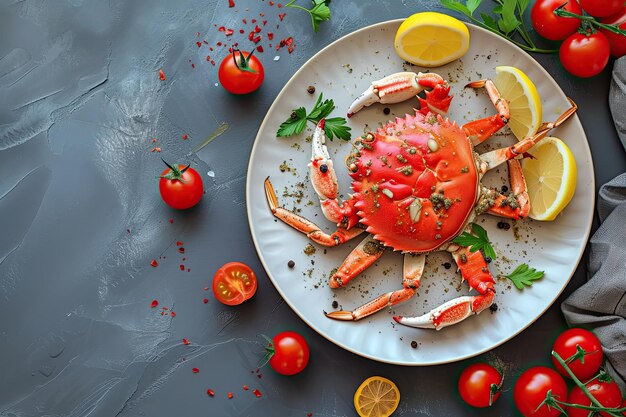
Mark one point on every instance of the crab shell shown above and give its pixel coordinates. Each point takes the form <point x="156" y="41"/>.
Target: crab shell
<point x="415" y="182"/>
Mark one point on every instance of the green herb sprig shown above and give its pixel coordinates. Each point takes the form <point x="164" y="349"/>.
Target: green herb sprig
<point x="320" y="12"/>
<point x="334" y="126"/>
<point x="477" y="241"/>
<point x="524" y="275"/>
<point x="506" y="19"/>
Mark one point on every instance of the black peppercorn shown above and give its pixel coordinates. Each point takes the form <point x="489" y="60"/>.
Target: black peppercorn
<point x="291" y="264"/>
<point x="335" y="304"/>
<point x="488" y="259"/>
<point x="504" y="189"/>
<point x="310" y="89"/>
<point x="414" y="344"/>
<point x="386" y="110"/>
<point x="493" y="307"/>
<point x="447" y="265"/>
<point x="323" y="168"/>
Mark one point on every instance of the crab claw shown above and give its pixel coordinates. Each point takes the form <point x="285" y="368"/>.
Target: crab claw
<point x="402" y="86"/>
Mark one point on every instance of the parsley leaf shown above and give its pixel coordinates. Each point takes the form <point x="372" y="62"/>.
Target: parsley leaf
<point x="476" y="240"/>
<point x="524" y="275"/>
<point x="320" y="12"/>
<point x="335" y="126"/>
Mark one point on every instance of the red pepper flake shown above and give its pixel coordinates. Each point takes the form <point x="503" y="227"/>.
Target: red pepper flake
<point x="219" y="44"/>
<point x="245" y="21"/>
<point x="279" y="5"/>
<point x="213" y="63"/>
<point x="210" y="392"/>
<point x="205" y="300"/>
<point x="257" y="393"/>
<point x="157" y="149"/>
<point x="188" y="269"/>
<point x="270" y="36"/>
<point x="205" y="42"/>
<point x="229" y="32"/>
<point x="154" y="263"/>
<point x="184" y="259"/>
<point x="257" y="29"/>
<point x="264" y="22"/>
<point x="231" y="3"/>
<point x="259" y="48"/>
<point x="154" y="303"/>
<point x="193" y="65"/>
<point x="253" y="20"/>
<point x="241" y="31"/>
<point x="208" y="58"/>
<point x="161" y="75"/>
<point x="271" y="3"/>
<point x="171" y="221"/>
<point x="246" y="388"/>
<point x="195" y="370"/>
<point x="165" y="308"/>
<point x="262" y="14"/>
<point x="282" y="16"/>
<point x="199" y="44"/>
<point x="172" y="314"/>
<point x="230" y="395"/>
<point x="206" y="288"/>
<point x="154" y="140"/>
<point x="198" y="34"/>
<point x="181" y="250"/>
<point x="221" y="29"/>
<point x="251" y="36"/>
<point x="178" y="242"/>
<point x="182" y="267"/>
<point x="309" y="414"/>
<point x="185" y="137"/>
<point x="257" y="39"/>
<point x="185" y="342"/>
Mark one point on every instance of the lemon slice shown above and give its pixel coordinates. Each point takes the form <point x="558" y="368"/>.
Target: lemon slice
<point x="524" y="102"/>
<point x="431" y="39"/>
<point x="550" y="178"/>
<point x="376" y="397"/>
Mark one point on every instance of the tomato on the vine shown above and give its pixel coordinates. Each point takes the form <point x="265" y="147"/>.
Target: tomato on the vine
<point x="531" y="388"/>
<point x="234" y="283"/>
<point x="180" y="186"/>
<point x="617" y="42"/>
<point x="289" y="353"/>
<point x="480" y="384"/>
<point x="241" y="75"/>
<point x="566" y="345"/>
<point x="551" y="26"/>
<point x="585" y="54"/>
<point x="606" y="392"/>
<point x="601" y="8"/>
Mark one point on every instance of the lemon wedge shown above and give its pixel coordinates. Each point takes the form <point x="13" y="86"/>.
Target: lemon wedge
<point x="524" y="102"/>
<point x="550" y="178"/>
<point x="376" y="397"/>
<point x="431" y="39"/>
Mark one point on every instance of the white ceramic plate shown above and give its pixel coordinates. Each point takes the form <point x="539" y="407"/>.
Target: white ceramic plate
<point x="341" y="71"/>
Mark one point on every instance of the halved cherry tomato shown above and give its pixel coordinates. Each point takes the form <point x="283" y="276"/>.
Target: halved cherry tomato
<point x="566" y="345"/>
<point x="241" y="74"/>
<point x="607" y="393"/>
<point x="180" y="186"/>
<point x="234" y="283"/>
<point x="601" y="8"/>
<point x="531" y="388"/>
<point x="289" y="353"/>
<point x="479" y="385"/>
<point x="585" y="54"/>
<point x="551" y="26"/>
<point x="617" y="42"/>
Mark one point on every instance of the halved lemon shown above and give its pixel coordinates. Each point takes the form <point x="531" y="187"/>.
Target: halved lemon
<point x="376" y="397"/>
<point x="550" y="178"/>
<point x="524" y="102"/>
<point x="431" y="39"/>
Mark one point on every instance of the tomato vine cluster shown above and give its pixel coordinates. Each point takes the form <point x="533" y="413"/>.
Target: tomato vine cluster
<point x="541" y="391"/>
<point x="587" y="41"/>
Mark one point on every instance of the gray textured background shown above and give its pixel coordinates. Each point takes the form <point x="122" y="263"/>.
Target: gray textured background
<point x="81" y="218"/>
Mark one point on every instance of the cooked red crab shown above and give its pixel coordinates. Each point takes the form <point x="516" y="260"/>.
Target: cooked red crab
<point x="417" y="186"/>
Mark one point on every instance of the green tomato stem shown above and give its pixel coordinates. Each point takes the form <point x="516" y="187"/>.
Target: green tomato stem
<point x="561" y="12"/>
<point x="527" y="48"/>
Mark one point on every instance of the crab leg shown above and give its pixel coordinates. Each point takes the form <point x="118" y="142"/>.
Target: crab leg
<point x="473" y="269"/>
<point x="403" y="86"/>
<point x="494" y="158"/>
<point x="514" y="206"/>
<point x="324" y="180"/>
<point x="480" y="130"/>
<point x="361" y="257"/>
<point x="305" y="226"/>
<point x="413" y="269"/>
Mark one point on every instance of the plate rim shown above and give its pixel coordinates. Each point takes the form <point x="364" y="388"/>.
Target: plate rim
<point x="587" y="149"/>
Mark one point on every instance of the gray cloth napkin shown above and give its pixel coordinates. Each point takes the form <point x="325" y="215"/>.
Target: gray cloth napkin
<point x="600" y="304"/>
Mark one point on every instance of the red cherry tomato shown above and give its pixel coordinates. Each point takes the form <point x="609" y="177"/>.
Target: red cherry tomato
<point x="551" y="26"/>
<point x="601" y="8"/>
<point x="617" y="42"/>
<point x="585" y="55"/>
<point x="566" y="346"/>
<point x="290" y="353"/>
<point x="479" y="385"/>
<point x="241" y="72"/>
<point x="531" y="388"/>
<point x="234" y="283"/>
<point x="607" y="393"/>
<point x="181" y="187"/>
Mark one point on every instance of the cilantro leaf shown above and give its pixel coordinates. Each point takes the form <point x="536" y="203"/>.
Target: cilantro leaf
<point x="476" y="240"/>
<point x="336" y="126"/>
<point x="294" y="125"/>
<point x="524" y="275"/>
